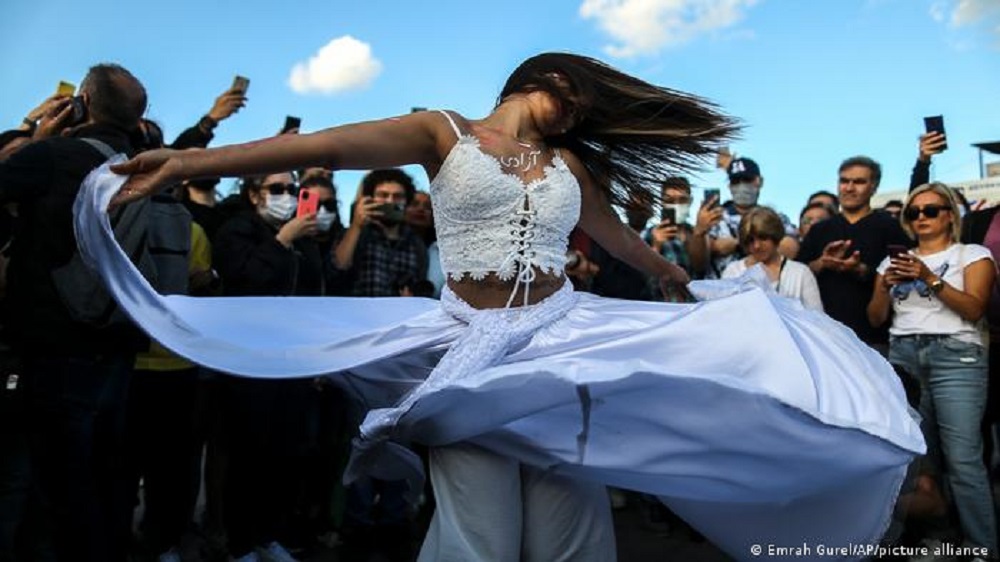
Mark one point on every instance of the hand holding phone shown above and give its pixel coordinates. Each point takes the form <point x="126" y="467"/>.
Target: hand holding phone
<point x="392" y="213"/>
<point x="241" y="84"/>
<point x="935" y="124"/>
<point x="65" y="88"/>
<point x="897" y="251"/>
<point x="897" y="254"/>
<point x="291" y="123"/>
<point x="709" y="195"/>
<point x="308" y="203"/>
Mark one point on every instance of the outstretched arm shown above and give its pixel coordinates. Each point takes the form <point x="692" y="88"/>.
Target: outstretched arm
<point x="600" y="222"/>
<point x="417" y="138"/>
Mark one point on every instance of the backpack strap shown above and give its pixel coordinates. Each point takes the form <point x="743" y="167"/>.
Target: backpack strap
<point x="100" y="146"/>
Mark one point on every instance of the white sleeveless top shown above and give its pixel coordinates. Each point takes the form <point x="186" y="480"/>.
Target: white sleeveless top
<point x="490" y="221"/>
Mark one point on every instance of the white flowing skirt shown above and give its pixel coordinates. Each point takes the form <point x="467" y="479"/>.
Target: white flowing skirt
<point x="759" y="422"/>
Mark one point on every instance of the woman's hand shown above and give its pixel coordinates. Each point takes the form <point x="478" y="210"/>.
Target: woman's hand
<point x="673" y="285"/>
<point x="295" y="229"/>
<point x="910" y="267"/>
<point x="149" y="172"/>
<point x="672" y="277"/>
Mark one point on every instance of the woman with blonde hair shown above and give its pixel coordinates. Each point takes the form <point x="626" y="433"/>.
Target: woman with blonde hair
<point x="533" y="397"/>
<point x="938" y="293"/>
<point x="761" y="231"/>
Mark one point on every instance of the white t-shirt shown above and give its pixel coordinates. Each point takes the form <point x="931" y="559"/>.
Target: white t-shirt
<point x="796" y="281"/>
<point x="916" y="314"/>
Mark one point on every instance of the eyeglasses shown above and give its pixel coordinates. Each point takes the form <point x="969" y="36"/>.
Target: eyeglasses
<point x="281" y="188"/>
<point x="929" y="211"/>
<point x="330" y="205"/>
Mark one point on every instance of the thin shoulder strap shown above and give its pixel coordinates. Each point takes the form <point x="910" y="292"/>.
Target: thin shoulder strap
<point x="99" y="146"/>
<point x="454" y="127"/>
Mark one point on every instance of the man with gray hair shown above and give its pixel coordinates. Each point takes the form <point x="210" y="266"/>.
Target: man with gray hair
<point x="844" y="251"/>
<point x="77" y="361"/>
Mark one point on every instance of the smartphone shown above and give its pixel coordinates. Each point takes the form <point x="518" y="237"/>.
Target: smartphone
<point x="391" y="212"/>
<point x="709" y="194"/>
<point x="935" y="124"/>
<point x="668" y="214"/>
<point x="291" y="123"/>
<point x="897" y="250"/>
<point x="241" y="84"/>
<point x="308" y="203"/>
<point x="65" y="88"/>
<point x="79" y="111"/>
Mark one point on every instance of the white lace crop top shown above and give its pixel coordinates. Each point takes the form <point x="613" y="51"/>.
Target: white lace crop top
<point x="490" y="221"/>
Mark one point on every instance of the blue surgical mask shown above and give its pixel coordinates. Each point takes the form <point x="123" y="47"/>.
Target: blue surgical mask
<point x="745" y="194"/>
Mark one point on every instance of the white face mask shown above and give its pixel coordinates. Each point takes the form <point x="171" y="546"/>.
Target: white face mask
<point x="681" y="210"/>
<point x="279" y="208"/>
<point x="745" y="194"/>
<point x="324" y="219"/>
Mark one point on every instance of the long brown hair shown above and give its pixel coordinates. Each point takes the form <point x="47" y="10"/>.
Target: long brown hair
<point x="630" y="134"/>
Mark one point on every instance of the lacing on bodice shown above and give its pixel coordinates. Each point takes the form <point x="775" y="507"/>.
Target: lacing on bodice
<point x="489" y="221"/>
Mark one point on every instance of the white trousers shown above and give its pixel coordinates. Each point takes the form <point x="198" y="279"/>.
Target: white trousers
<point x="491" y="508"/>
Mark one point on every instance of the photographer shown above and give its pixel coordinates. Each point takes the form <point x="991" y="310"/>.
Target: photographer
<point x="379" y="248"/>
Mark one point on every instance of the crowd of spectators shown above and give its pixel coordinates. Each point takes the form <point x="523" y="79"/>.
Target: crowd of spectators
<point x="94" y="416"/>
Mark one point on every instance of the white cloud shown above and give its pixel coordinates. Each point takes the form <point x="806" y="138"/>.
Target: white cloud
<point x="974" y="11"/>
<point x="939" y="11"/>
<point x="642" y="27"/>
<point x="342" y="64"/>
<point x="961" y="13"/>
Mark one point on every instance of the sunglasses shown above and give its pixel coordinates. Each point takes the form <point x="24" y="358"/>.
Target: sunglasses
<point x="330" y="205"/>
<point x="280" y="188"/>
<point x="929" y="211"/>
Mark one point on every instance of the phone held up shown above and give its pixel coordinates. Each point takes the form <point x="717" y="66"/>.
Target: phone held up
<point x="669" y="214"/>
<point x="709" y="194"/>
<point x="308" y="203"/>
<point x="935" y="124"/>
<point x="291" y="123"/>
<point x="392" y="213"/>
<point x="65" y="88"/>
<point x="241" y="84"/>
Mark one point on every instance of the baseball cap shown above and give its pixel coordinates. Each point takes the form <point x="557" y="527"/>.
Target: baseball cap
<point x="742" y="169"/>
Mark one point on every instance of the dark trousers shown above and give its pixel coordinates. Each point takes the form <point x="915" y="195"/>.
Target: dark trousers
<point x="266" y="427"/>
<point x="164" y="451"/>
<point x="76" y="412"/>
<point x="22" y="519"/>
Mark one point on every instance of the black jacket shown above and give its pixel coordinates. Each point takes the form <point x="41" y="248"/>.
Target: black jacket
<point x="251" y="261"/>
<point x="43" y="178"/>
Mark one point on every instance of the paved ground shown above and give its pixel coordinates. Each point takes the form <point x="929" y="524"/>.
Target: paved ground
<point x="639" y="540"/>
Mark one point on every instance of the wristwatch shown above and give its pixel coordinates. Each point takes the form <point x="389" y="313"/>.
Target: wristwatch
<point x="937" y="286"/>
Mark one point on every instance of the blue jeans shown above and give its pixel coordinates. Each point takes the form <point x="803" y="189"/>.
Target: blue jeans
<point x="953" y="380"/>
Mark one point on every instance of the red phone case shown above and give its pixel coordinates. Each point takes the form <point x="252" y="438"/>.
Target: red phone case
<point x="308" y="203"/>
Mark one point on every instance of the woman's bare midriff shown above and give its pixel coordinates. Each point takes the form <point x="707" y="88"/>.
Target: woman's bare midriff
<point x="491" y="292"/>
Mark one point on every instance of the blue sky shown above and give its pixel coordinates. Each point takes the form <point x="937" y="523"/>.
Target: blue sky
<point x="815" y="81"/>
